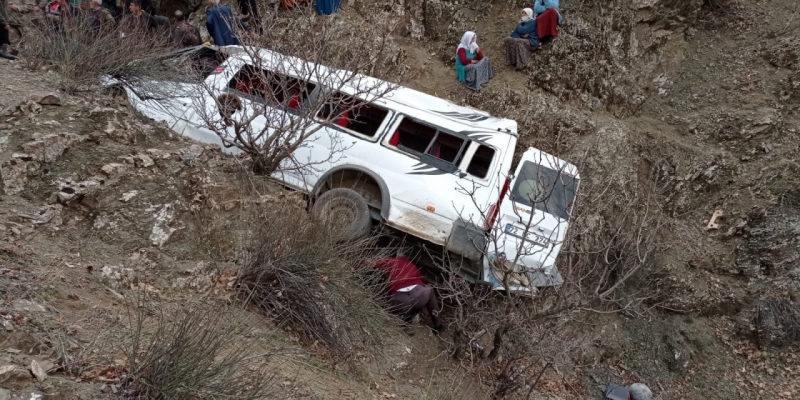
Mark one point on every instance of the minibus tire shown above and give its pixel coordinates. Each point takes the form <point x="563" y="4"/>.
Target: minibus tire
<point x="361" y="224"/>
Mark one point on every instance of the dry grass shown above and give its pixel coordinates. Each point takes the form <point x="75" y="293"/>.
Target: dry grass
<point x="777" y="322"/>
<point x="310" y="282"/>
<point x="194" y="352"/>
<point x="80" y="57"/>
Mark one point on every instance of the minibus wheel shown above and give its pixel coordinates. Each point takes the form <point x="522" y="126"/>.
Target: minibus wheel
<point x="346" y="211"/>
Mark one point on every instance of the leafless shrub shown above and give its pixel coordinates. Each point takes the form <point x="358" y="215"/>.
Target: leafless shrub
<point x="81" y="55"/>
<point x="286" y="95"/>
<point x="740" y="15"/>
<point x="603" y="257"/>
<point x="716" y="6"/>
<point x="777" y="322"/>
<point x="312" y="283"/>
<point x="194" y="352"/>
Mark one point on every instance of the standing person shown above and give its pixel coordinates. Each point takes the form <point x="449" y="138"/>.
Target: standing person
<point x="114" y="7"/>
<point x="220" y="24"/>
<point x="408" y="293"/>
<point x="146" y="5"/>
<point x="54" y="12"/>
<point x="249" y="10"/>
<point x="102" y="20"/>
<point x="327" y="7"/>
<point x="137" y="20"/>
<point x="185" y="34"/>
<point x="472" y="68"/>
<point x="5" y="29"/>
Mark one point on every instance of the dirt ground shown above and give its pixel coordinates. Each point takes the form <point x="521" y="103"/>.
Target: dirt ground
<point x="98" y="204"/>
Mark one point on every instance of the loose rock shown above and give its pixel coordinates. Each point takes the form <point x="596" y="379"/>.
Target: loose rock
<point x="38" y="371"/>
<point x="161" y="229"/>
<point x="13" y="373"/>
<point x="29" y="306"/>
<point x="50" y="147"/>
<point x="143" y="161"/>
<point x="113" y="169"/>
<point x="126" y="197"/>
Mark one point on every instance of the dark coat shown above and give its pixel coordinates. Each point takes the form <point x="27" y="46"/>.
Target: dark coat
<point x="161" y="22"/>
<point x="4" y="20"/>
<point x="130" y="23"/>
<point x="220" y="23"/>
<point x="527" y="28"/>
<point x="102" y="20"/>
<point x="186" y="35"/>
<point x="248" y="7"/>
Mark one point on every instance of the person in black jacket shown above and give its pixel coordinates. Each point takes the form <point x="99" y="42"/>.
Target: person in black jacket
<point x="250" y="16"/>
<point x="5" y="28"/>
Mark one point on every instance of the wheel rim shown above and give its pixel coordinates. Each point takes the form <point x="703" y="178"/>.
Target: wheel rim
<point x="340" y="213"/>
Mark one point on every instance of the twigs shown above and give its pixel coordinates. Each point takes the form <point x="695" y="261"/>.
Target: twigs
<point x="81" y="54"/>
<point x="311" y="283"/>
<point x="291" y="92"/>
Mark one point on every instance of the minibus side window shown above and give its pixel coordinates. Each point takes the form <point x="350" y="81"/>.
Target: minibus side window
<point x="353" y="115"/>
<point x="481" y="162"/>
<point x="414" y="137"/>
<point x="271" y="88"/>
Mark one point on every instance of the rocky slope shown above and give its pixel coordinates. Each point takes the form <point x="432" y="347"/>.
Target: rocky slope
<point x="662" y="103"/>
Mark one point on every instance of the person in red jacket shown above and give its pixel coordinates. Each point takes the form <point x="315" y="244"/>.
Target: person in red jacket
<point x="408" y="293"/>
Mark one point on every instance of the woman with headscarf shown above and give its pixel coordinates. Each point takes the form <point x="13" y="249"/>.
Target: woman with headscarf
<point x="540" y="6"/>
<point x="472" y="68"/>
<point x="522" y="40"/>
<point x="547" y="17"/>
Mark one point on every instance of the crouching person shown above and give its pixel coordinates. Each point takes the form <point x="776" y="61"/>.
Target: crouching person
<point x="408" y="293"/>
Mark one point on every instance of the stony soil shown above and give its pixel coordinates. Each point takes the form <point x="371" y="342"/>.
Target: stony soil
<point x="701" y="110"/>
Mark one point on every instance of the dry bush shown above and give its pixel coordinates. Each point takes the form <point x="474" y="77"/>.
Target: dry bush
<point x="194" y="352"/>
<point x="288" y="97"/>
<point x="80" y="57"/>
<point x="716" y="6"/>
<point x="777" y="322"/>
<point x="604" y="258"/>
<point x="738" y="15"/>
<point x="455" y="384"/>
<point x="308" y="281"/>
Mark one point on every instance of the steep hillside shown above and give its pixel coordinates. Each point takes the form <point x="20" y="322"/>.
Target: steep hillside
<point x="671" y="109"/>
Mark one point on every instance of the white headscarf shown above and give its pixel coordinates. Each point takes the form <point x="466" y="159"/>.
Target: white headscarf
<point x="528" y="14"/>
<point x="466" y="42"/>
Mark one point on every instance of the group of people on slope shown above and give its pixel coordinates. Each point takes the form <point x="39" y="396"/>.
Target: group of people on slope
<point x="127" y="17"/>
<point x="537" y="25"/>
